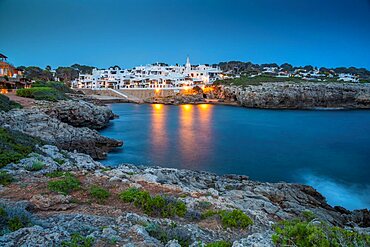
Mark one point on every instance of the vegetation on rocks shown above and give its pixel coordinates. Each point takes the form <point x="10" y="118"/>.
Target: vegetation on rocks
<point x="49" y="91"/>
<point x="5" y="178"/>
<point x="13" y="218"/>
<point x="65" y="185"/>
<point x="158" y="205"/>
<point x="99" y="193"/>
<point x="167" y="233"/>
<point x="36" y="166"/>
<point x="230" y="219"/>
<point x="59" y="86"/>
<point x="41" y="93"/>
<point x="78" y="241"/>
<point x="219" y="244"/>
<point x="308" y="231"/>
<point x="257" y="80"/>
<point x="6" y="104"/>
<point x="15" y="146"/>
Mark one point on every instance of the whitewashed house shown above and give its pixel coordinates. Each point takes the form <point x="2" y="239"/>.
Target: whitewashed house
<point x="156" y="76"/>
<point x="348" y="78"/>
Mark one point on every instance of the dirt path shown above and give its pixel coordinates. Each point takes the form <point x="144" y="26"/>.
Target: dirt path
<point x="25" y="102"/>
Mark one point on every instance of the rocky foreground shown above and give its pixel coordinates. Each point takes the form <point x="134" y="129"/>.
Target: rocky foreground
<point x="55" y="217"/>
<point x="299" y="95"/>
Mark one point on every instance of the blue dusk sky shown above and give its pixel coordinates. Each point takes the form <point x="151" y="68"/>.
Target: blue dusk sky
<point x="101" y="33"/>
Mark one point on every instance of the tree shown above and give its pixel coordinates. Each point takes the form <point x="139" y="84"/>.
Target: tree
<point x="83" y="69"/>
<point x="287" y="67"/>
<point x="48" y="67"/>
<point x="66" y="74"/>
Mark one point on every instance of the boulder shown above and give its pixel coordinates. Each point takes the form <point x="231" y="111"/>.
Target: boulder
<point x="78" y="113"/>
<point x="51" y="130"/>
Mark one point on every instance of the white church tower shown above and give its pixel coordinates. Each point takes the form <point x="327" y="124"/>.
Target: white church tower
<point x="187" y="65"/>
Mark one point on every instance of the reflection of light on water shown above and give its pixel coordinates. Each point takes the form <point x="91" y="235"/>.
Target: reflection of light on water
<point x="187" y="107"/>
<point x="159" y="134"/>
<point x="157" y="106"/>
<point x="204" y="106"/>
<point x="191" y="145"/>
<point x="350" y="197"/>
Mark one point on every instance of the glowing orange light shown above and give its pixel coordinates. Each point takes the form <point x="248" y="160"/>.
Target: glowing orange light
<point x="4" y="91"/>
<point x="204" y="106"/>
<point x="157" y="90"/>
<point x="186" y="107"/>
<point x="157" y="106"/>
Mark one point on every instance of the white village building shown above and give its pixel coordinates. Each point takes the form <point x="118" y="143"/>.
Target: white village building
<point x="150" y="76"/>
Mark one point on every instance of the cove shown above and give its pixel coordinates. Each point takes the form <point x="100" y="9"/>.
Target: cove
<point x="329" y="150"/>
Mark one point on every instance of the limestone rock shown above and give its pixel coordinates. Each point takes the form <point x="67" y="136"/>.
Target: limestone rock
<point x="37" y="124"/>
<point x="78" y="113"/>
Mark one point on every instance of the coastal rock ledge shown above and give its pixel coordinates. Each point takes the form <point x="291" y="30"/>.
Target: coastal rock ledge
<point x="38" y="124"/>
<point x="78" y="113"/>
<point x="113" y="222"/>
<point x="299" y="95"/>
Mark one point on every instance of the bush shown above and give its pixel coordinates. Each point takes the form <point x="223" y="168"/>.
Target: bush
<point x="235" y="219"/>
<point x="232" y="219"/>
<point x="219" y="244"/>
<point x="36" y="166"/>
<point x="99" y="193"/>
<point x="5" y="178"/>
<point x="15" y="146"/>
<point x="59" y="86"/>
<point x="78" y="241"/>
<point x="310" y="232"/>
<point x="65" y="185"/>
<point x="6" y="104"/>
<point x="41" y="93"/>
<point x="165" y="234"/>
<point x="57" y="174"/>
<point x="13" y="218"/>
<point x="164" y="206"/>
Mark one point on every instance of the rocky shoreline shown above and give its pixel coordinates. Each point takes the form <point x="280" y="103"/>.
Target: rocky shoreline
<point x="70" y="125"/>
<point x="57" y="216"/>
<point x="52" y="189"/>
<point x="298" y="95"/>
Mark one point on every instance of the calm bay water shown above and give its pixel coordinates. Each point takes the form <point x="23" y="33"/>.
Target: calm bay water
<point x="329" y="150"/>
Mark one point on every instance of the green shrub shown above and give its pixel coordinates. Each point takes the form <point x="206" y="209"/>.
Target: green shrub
<point x="59" y="86"/>
<point x="3" y="213"/>
<point x="13" y="218"/>
<point x="5" y="178"/>
<point x="165" y="234"/>
<point x="99" y="193"/>
<point x="6" y="104"/>
<point x="15" y="146"/>
<point x="41" y="93"/>
<point x="78" y="241"/>
<point x="65" y="185"/>
<point x="232" y="219"/>
<point x="17" y="223"/>
<point x="306" y="232"/>
<point x="204" y="204"/>
<point x="209" y="213"/>
<point x="57" y="174"/>
<point x="59" y="161"/>
<point x="159" y="205"/>
<point x="235" y="219"/>
<point x="36" y="166"/>
<point x="129" y="195"/>
<point x="219" y="244"/>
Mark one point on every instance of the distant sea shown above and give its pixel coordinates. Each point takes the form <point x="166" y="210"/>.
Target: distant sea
<point x="329" y="150"/>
